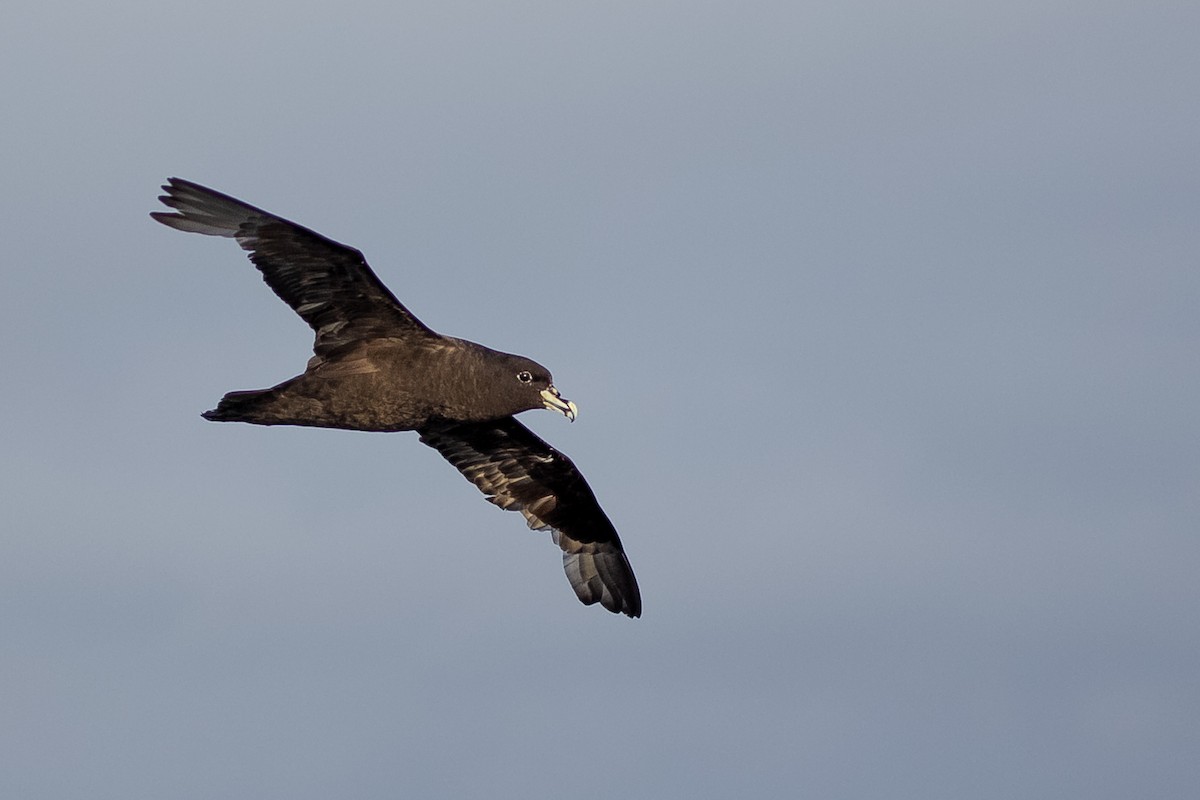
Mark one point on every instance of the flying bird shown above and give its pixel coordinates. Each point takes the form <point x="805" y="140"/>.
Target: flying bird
<point x="376" y="367"/>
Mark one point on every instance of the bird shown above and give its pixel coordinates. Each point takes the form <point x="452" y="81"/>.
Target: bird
<point x="376" y="367"/>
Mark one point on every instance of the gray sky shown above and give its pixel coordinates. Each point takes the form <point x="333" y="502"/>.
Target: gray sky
<point x="882" y="321"/>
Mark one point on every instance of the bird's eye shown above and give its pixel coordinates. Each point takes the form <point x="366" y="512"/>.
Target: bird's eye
<point x="524" y="376"/>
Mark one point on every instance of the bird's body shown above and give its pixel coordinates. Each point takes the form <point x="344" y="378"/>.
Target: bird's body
<point x="378" y="385"/>
<point x="376" y="367"/>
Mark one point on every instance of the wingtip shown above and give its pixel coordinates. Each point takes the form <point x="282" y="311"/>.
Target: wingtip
<point x="632" y="607"/>
<point x="171" y="185"/>
<point x="167" y="198"/>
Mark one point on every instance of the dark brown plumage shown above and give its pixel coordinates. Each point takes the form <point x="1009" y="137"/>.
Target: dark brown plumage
<point x="376" y="367"/>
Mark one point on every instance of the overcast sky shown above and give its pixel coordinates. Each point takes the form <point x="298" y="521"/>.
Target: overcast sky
<point x="882" y="322"/>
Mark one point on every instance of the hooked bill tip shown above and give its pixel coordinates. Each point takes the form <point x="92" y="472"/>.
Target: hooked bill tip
<point x="553" y="401"/>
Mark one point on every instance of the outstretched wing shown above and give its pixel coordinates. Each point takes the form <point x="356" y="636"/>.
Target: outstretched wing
<point x="328" y="284"/>
<point x="519" y="471"/>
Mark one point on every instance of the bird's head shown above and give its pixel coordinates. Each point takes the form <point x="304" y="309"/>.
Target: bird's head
<point x="521" y="384"/>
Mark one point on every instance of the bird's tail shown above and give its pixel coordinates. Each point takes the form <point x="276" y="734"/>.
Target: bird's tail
<point x="256" y="407"/>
